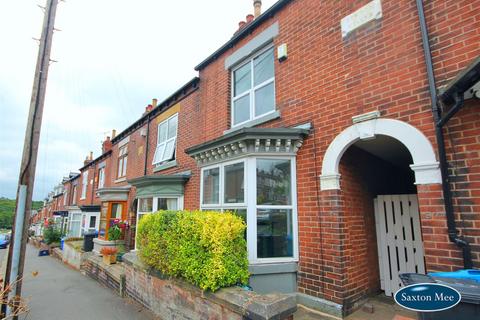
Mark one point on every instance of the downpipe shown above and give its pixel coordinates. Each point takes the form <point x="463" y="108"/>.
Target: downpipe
<point x="453" y="236"/>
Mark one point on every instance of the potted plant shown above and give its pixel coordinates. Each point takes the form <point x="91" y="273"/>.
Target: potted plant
<point x="109" y="255"/>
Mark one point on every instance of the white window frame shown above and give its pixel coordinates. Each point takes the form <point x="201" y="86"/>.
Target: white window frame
<point x="122" y="161"/>
<point x="101" y="178"/>
<point x="65" y="196"/>
<point x="86" y="223"/>
<point x="74" y="194"/>
<point x="72" y="220"/>
<point x="155" y="208"/>
<point x="161" y="146"/>
<point x="252" y="89"/>
<point x="250" y="183"/>
<point x="84" y="185"/>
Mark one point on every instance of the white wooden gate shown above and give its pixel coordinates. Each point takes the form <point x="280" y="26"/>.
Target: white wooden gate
<point x="399" y="239"/>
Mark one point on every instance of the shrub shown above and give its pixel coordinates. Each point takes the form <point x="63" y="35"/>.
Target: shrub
<point x="205" y="248"/>
<point x="51" y="234"/>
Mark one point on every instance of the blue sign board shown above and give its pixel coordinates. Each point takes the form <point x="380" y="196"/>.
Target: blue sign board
<point x="427" y="297"/>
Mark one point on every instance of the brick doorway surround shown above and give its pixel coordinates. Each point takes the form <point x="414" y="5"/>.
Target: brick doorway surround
<point x="341" y="283"/>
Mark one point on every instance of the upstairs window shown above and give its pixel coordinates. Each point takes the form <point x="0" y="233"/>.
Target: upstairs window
<point x="253" y="93"/>
<point x="74" y="195"/>
<point x="84" y="185"/>
<point x="122" y="162"/>
<point x="166" y="140"/>
<point x="101" y="177"/>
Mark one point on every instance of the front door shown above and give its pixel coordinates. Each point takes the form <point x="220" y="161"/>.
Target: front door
<point x="399" y="239"/>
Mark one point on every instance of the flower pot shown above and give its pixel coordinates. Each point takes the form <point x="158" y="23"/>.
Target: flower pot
<point x="110" y="259"/>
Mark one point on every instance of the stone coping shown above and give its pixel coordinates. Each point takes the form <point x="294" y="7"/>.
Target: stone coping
<point x="249" y="304"/>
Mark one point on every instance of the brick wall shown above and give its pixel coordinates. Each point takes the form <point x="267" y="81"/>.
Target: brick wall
<point x="325" y="81"/>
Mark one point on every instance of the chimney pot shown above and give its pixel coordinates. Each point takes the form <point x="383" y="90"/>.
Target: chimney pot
<point x="114" y="133"/>
<point x="257" y="6"/>
<point x="241" y="24"/>
<point x="250" y="18"/>
<point x="154" y="102"/>
<point x="91" y="155"/>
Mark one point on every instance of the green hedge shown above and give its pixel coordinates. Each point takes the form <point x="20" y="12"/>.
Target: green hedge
<point x="205" y="248"/>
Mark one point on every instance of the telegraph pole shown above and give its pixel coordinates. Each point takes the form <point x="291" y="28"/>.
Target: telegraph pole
<point x="16" y="253"/>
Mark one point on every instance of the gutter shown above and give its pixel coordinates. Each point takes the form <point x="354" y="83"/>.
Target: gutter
<point x="453" y="236"/>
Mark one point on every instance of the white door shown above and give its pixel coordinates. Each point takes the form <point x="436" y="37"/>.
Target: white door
<point x="399" y="239"/>
<point x="91" y="222"/>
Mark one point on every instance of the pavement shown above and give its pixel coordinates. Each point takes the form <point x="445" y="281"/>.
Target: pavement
<point x="58" y="292"/>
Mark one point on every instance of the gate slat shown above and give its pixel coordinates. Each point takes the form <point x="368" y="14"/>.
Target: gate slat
<point x="391" y="244"/>
<point x="378" y="228"/>
<point x="418" y="244"/>
<point x="385" y="265"/>
<point x="399" y="242"/>
<point x="408" y="233"/>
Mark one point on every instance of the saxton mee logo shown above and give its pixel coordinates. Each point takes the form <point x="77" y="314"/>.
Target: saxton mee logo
<point x="427" y="297"/>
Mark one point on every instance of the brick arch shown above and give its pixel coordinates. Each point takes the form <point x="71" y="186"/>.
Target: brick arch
<point x="425" y="164"/>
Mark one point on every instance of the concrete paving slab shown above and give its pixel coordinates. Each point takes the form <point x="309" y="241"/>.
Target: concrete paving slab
<point x="59" y="292"/>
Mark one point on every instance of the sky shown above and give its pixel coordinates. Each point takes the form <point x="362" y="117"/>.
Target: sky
<point x="112" y="57"/>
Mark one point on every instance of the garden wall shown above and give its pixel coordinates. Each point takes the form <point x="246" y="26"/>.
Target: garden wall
<point x="111" y="276"/>
<point x="172" y="298"/>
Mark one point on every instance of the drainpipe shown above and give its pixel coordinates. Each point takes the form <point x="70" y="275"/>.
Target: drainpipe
<point x="460" y="241"/>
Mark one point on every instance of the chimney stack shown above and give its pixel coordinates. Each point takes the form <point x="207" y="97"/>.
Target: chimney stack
<point x="86" y="161"/>
<point x="106" y="145"/>
<point x="257" y="5"/>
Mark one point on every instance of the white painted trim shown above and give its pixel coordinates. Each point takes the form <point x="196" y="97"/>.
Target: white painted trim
<point x="425" y="164"/>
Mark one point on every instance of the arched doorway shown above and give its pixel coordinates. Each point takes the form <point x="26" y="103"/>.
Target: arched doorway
<point x="376" y="165"/>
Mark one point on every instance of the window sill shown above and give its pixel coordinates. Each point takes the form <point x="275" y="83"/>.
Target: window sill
<point x="255" y="122"/>
<point x="120" y="180"/>
<point x="270" y="268"/>
<point x="165" y="166"/>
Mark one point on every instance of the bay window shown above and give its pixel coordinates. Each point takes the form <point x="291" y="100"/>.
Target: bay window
<point x="261" y="191"/>
<point x="154" y="204"/>
<point x="75" y="224"/>
<point x="253" y="94"/>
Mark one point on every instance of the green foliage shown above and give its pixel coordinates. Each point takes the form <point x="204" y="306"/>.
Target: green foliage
<point x="114" y="233"/>
<point x="205" y="248"/>
<point x="7" y="209"/>
<point x="51" y="234"/>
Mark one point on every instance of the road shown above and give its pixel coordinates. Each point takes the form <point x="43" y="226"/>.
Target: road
<point x="58" y="292"/>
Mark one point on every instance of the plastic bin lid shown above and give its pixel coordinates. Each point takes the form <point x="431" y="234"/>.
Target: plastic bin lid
<point x="471" y="274"/>
<point x="469" y="289"/>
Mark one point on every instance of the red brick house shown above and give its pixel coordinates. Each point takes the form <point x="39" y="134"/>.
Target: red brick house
<point x="341" y="127"/>
<point x="345" y="134"/>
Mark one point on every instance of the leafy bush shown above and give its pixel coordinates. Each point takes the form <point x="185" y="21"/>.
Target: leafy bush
<point x="205" y="248"/>
<point x="51" y="234"/>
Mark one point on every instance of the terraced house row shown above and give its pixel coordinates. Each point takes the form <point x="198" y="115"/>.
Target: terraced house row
<point x="346" y="134"/>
